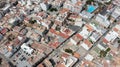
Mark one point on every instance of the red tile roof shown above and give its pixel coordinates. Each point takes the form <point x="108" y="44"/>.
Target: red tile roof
<point x="104" y="40"/>
<point x="60" y="65"/>
<point x="78" y="3"/>
<point x="40" y="65"/>
<point x="64" y="10"/>
<point x="89" y="27"/>
<point x="54" y="45"/>
<point x="63" y="35"/>
<point x="4" y="31"/>
<point x="87" y="42"/>
<point x="115" y="29"/>
<point x="79" y="36"/>
<point x="77" y="55"/>
<point x="65" y="55"/>
<point x="67" y="31"/>
<point x="59" y="33"/>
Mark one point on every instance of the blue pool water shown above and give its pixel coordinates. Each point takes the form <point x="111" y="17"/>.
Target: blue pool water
<point x="90" y="8"/>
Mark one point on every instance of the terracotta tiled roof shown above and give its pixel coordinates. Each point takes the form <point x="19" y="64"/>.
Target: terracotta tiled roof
<point x="64" y="10"/>
<point x="79" y="36"/>
<point x="115" y="29"/>
<point x="40" y="65"/>
<point x="54" y="45"/>
<point x="60" y="65"/>
<point x="59" y="33"/>
<point x="78" y="3"/>
<point x="65" y="55"/>
<point x="87" y="42"/>
<point x="105" y="41"/>
<point x="89" y="27"/>
<point x="4" y="31"/>
<point x="77" y="55"/>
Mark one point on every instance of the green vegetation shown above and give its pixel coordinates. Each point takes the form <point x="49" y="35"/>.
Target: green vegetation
<point x="91" y="41"/>
<point x="32" y="21"/>
<point x="118" y="41"/>
<point x="108" y="3"/>
<point x="69" y="51"/>
<point x="89" y="1"/>
<point x="104" y="53"/>
<point x="71" y="20"/>
<point x="108" y="49"/>
<point x="53" y="9"/>
<point x="57" y="28"/>
<point x="0" y="61"/>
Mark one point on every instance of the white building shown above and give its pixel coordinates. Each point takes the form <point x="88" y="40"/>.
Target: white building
<point x="44" y="6"/>
<point x="111" y="36"/>
<point x="102" y="20"/>
<point x="26" y="48"/>
<point x="116" y="12"/>
<point x="89" y="57"/>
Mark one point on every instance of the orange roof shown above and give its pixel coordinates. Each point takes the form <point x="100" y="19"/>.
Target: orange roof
<point x="115" y="29"/>
<point x="60" y="65"/>
<point x="64" y="10"/>
<point x="77" y="55"/>
<point x="4" y="31"/>
<point x="87" y="63"/>
<point x="40" y="65"/>
<point x="89" y="27"/>
<point x="65" y="55"/>
<point x="78" y="3"/>
<point x="87" y="42"/>
<point x="67" y="31"/>
<point x="60" y="34"/>
<point x="79" y="36"/>
<point x="53" y="31"/>
<point x="105" y="63"/>
<point x="54" y="45"/>
<point x="63" y="35"/>
<point x="105" y="41"/>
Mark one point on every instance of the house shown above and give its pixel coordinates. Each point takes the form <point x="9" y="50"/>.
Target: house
<point x="86" y="31"/>
<point x="4" y="31"/>
<point x="95" y="36"/>
<point x="110" y="37"/>
<point x="86" y="44"/>
<point x="117" y="29"/>
<point x="68" y="60"/>
<point x="1" y="37"/>
<point x="74" y="5"/>
<point x="89" y="57"/>
<point x="102" y="20"/>
<point x="86" y="14"/>
<point x="87" y="63"/>
<point x="116" y="13"/>
<point x="26" y="48"/>
<point x="116" y="2"/>
<point x="44" y="6"/>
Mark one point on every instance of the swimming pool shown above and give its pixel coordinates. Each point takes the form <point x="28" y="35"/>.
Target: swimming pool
<point x="90" y="8"/>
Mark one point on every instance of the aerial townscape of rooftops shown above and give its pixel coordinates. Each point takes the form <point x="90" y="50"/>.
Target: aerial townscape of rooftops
<point x="59" y="33"/>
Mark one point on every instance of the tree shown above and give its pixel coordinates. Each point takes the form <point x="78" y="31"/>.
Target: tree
<point x="69" y="51"/>
<point x="118" y="41"/>
<point x="108" y="49"/>
<point x="104" y="53"/>
<point x="32" y="21"/>
<point x="0" y="61"/>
